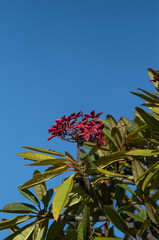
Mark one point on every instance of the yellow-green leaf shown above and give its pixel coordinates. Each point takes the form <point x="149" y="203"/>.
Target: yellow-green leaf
<point x="41" y="177"/>
<point x="14" y="221"/>
<point x="111" y="174"/>
<point x="45" y="151"/>
<point x="62" y="196"/>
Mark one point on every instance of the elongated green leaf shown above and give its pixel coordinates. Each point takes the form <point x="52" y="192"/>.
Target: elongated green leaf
<point x="39" y="157"/>
<point x="40" y="230"/>
<point x="124" y="186"/>
<point x="57" y="162"/>
<point x="45" y="151"/>
<point x="142" y="152"/>
<point x="86" y="223"/>
<point x="55" y="229"/>
<point x="19" y="208"/>
<point x="135" y="217"/>
<point x="108" y="159"/>
<point x="29" y="195"/>
<point x="149" y="99"/>
<point x="14" y="221"/>
<point x="41" y="177"/>
<point x="116" y="219"/>
<point x="150" y="94"/>
<point x="149" y="119"/>
<point x="156" y="166"/>
<point x="62" y="196"/>
<point x="136" y="170"/>
<point x="105" y="130"/>
<point x="116" y="138"/>
<point x="50" y="193"/>
<point x="23" y="233"/>
<point x="149" y="178"/>
<point x="112" y="122"/>
<point x="111" y="174"/>
<point x="138" y="130"/>
<point x="80" y="231"/>
<point x="150" y="208"/>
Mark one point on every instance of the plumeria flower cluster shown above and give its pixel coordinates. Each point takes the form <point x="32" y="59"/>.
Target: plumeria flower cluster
<point x="79" y="128"/>
<point x="155" y="79"/>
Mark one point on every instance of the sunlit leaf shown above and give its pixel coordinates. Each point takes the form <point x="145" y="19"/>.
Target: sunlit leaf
<point x="41" y="177"/>
<point x="62" y="196"/>
<point x="116" y="138"/>
<point x="112" y="157"/>
<point x="135" y="216"/>
<point x="45" y="151"/>
<point x="14" y="221"/>
<point x="40" y="230"/>
<point x="19" y="208"/>
<point x="142" y="152"/>
<point x="36" y="156"/>
<point x="80" y="231"/>
<point x="23" y="233"/>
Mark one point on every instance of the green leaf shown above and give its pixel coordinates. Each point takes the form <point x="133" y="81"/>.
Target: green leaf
<point x="116" y="138"/>
<point x="149" y="178"/>
<point x="80" y="231"/>
<point x="40" y="230"/>
<point x="155" y="196"/>
<point x="142" y="152"/>
<point x="23" y="233"/>
<point x="151" y="209"/>
<point x="62" y="196"/>
<point x="40" y="189"/>
<point x="41" y="177"/>
<point x="57" y="162"/>
<point x="55" y="229"/>
<point x="18" y="208"/>
<point x="136" y="170"/>
<point x="41" y="157"/>
<point x="45" y="151"/>
<point x="124" y="186"/>
<point x="149" y="99"/>
<point x="150" y="120"/>
<point x="112" y="122"/>
<point x="116" y="219"/>
<point x="105" y="130"/>
<point x="135" y="217"/>
<point x="50" y="193"/>
<point x="156" y="166"/>
<point x="86" y="223"/>
<point x="112" y="157"/>
<point x="150" y="94"/>
<point x="14" y="221"/>
<point x="111" y="174"/>
<point x="138" y="130"/>
<point x="29" y="195"/>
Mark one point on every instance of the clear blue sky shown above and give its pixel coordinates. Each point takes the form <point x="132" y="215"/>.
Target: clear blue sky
<point x="59" y="57"/>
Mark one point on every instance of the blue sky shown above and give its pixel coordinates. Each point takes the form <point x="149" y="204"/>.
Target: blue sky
<point x="59" y="57"/>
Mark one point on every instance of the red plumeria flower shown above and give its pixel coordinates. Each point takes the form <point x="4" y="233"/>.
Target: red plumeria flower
<point x="71" y="129"/>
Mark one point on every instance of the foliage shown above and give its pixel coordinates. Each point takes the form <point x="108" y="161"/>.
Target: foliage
<point x="115" y="180"/>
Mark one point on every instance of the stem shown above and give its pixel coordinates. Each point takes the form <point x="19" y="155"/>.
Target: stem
<point x="78" y="152"/>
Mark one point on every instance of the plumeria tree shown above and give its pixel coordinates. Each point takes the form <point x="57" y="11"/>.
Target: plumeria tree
<point x="113" y="182"/>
